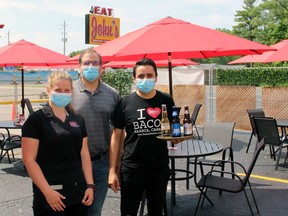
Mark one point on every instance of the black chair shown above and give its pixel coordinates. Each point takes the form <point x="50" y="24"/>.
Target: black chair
<point x="266" y="127"/>
<point x="217" y="179"/>
<point x="194" y="116"/>
<point x="217" y="132"/>
<point x="9" y="144"/>
<point x="29" y="105"/>
<point x="253" y="112"/>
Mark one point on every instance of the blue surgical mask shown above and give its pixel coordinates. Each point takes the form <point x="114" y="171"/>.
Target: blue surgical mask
<point x="91" y="73"/>
<point x="60" y="99"/>
<point x="145" y="85"/>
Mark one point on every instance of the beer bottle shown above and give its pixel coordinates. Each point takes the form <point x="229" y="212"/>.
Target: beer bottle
<point x="187" y="123"/>
<point x="175" y="125"/>
<point x="165" y="123"/>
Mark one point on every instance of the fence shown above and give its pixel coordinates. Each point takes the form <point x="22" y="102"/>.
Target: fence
<point x="229" y="103"/>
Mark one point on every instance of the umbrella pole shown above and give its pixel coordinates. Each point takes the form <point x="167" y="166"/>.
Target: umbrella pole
<point x="22" y="85"/>
<point x="170" y="74"/>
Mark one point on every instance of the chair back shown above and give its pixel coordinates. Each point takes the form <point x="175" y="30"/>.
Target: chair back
<point x="255" y="113"/>
<point x="260" y="146"/>
<point x="195" y="112"/>
<point x="266" y="127"/>
<point x="219" y="132"/>
<point x="29" y="105"/>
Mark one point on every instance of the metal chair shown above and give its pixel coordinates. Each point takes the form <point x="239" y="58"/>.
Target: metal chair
<point x="253" y="112"/>
<point x="29" y="105"/>
<point x="217" y="179"/>
<point x="266" y="127"/>
<point x="9" y="144"/>
<point x="194" y="116"/>
<point x="217" y="132"/>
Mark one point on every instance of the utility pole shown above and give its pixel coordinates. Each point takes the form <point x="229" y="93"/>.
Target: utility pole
<point x="64" y="39"/>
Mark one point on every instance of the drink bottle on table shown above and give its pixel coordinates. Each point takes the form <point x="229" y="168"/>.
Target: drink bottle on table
<point x="175" y="124"/>
<point x="187" y="123"/>
<point x="165" y="123"/>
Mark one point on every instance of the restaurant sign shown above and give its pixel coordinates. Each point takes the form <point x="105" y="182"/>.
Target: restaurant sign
<point x="101" y="26"/>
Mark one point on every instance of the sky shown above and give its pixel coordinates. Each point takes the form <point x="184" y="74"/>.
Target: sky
<point x="42" y="21"/>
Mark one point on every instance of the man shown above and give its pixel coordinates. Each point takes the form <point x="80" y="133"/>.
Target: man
<point x="145" y="162"/>
<point x="95" y="101"/>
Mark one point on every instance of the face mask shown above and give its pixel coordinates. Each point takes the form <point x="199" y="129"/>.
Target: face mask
<point x="90" y="73"/>
<point x="145" y="85"/>
<point x="60" y="99"/>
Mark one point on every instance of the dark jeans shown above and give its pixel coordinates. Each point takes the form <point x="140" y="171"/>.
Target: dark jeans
<point x="153" y="182"/>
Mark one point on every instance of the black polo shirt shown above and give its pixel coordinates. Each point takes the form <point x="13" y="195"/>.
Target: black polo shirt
<point x="60" y="143"/>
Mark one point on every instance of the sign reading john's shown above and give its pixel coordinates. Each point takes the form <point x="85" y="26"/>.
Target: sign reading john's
<point x="101" y="26"/>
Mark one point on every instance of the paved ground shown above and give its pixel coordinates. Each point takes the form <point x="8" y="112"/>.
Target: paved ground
<point x="272" y="196"/>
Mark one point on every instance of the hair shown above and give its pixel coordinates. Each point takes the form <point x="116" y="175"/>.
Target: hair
<point x="145" y="61"/>
<point x="58" y="75"/>
<point x="90" y="50"/>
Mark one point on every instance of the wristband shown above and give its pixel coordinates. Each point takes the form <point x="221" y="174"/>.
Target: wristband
<point x="91" y="186"/>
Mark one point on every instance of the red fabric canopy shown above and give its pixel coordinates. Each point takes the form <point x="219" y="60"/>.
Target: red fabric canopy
<point x="272" y="56"/>
<point x="159" y="63"/>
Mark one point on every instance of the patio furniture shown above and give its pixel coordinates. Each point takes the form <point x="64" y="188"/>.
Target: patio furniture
<point x="253" y="112"/>
<point x="266" y="127"/>
<point x="29" y="105"/>
<point x="194" y="116"/>
<point x="216" y="132"/>
<point x="217" y="179"/>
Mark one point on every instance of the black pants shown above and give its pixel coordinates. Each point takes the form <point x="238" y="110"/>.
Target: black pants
<point x="133" y="184"/>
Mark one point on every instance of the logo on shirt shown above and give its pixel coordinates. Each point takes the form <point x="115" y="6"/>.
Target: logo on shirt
<point x="73" y="124"/>
<point x="153" y="112"/>
<point x="145" y="125"/>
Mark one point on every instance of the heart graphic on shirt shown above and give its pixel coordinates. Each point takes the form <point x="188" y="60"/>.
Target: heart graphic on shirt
<point x="153" y="112"/>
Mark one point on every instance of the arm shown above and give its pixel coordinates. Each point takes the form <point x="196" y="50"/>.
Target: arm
<point x="120" y="153"/>
<point x="87" y="170"/>
<point x="29" y="154"/>
<point x="115" y="144"/>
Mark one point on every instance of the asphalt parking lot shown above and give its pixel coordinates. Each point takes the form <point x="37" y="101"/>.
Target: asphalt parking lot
<point x="270" y="188"/>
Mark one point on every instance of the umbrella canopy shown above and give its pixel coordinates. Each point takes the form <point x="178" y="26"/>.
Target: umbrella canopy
<point x="159" y="63"/>
<point x="173" y="38"/>
<point x="272" y="56"/>
<point x="24" y="53"/>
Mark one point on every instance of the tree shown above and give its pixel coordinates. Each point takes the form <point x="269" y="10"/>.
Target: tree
<point x="248" y="21"/>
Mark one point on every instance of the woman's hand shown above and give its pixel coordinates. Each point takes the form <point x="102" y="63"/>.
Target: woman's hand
<point x="54" y="200"/>
<point x="88" y="197"/>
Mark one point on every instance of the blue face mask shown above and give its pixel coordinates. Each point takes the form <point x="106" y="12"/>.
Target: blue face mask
<point x="145" y="85"/>
<point x="90" y="73"/>
<point x="60" y="99"/>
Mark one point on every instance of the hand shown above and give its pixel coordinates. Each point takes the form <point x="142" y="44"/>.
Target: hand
<point x="113" y="182"/>
<point x="54" y="200"/>
<point x="175" y="141"/>
<point x="88" y="197"/>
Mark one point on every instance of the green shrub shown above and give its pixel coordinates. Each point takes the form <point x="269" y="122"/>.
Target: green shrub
<point x="119" y="79"/>
<point x="253" y="76"/>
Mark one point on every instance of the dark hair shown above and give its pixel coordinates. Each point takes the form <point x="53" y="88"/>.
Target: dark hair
<point x="145" y="61"/>
<point x="90" y="50"/>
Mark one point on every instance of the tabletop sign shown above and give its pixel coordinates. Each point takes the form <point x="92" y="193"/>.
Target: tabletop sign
<point x="101" y="26"/>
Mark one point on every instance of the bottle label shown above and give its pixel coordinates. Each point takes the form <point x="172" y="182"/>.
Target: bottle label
<point x="176" y="130"/>
<point x="165" y="128"/>
<point x="188" y="129"/>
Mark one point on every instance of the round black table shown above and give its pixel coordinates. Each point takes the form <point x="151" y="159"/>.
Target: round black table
<point x="192" y="148"/>
<point x="9" y="125"/>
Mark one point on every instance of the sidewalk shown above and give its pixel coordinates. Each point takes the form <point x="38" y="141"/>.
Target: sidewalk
<point x="271" y="196"/>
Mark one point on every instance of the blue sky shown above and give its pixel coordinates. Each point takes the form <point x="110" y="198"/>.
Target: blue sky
<point x="41" y="21"/>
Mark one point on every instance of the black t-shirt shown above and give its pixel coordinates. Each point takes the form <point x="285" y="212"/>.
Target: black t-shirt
<point x="141" y="119"/>
<point x="60" y="143"/>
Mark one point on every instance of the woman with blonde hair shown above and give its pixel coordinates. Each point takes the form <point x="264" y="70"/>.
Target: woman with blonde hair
<point x="55" y="153"/>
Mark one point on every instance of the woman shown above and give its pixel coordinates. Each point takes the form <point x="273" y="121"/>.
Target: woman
<point x="55" y="153"/>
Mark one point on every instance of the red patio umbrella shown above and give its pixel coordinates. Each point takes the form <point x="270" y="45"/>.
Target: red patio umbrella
<point x="173" y="38"/>
<point x="159" y="63"/>
<point x="24" y="53"/>
<point x="272" y="56"/>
